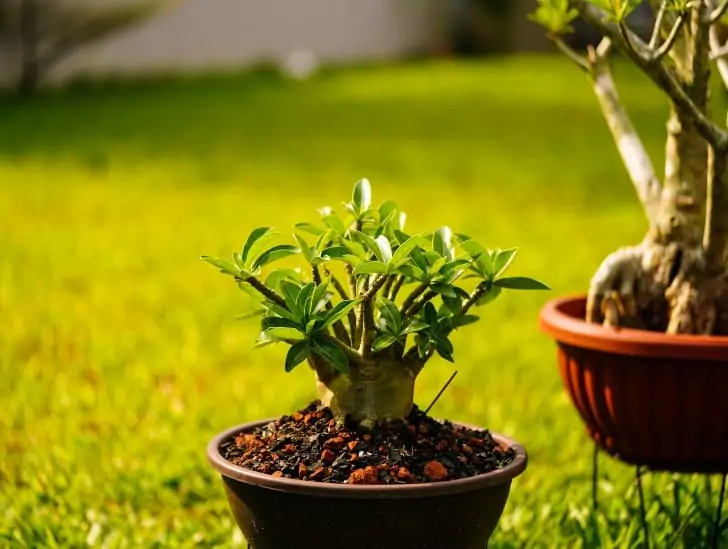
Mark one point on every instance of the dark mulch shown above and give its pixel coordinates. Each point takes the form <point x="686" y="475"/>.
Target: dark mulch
<point x="310" y="445"/>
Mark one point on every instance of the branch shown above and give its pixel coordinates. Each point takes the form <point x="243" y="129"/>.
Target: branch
<point x="579" y="60"/>
<point x="658" y="72"/>
<point x="417" y="307"/>
<point x="633" y="153"/>
<point x="658" y="25"/>
<point x="417" y="292"/>
<point x="669" y="42"/>
<point x="479" y="292"/>
<point x="719" y="53"/>
<point x="397" y="287"/>
<point x="350" y="353"/>
<point x="717" y="13"/>
<point x="715" y="238"/>
<point x="340" y="289"/>
<point x="366" y="316"/>
<point x="266" y="291"/>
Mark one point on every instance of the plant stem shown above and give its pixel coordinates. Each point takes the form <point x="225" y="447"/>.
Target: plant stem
<point x="352" y="315"/>
<point x="352" y="354"/>
<point x="715" y="239"/>
<point x="266" y="291"/>
<point x="417" y="307"/>
<point x="397" y="287"/>
<point x="367" y="316"/>
<point x="417" y="292"/>
<point x="479" y="292"/>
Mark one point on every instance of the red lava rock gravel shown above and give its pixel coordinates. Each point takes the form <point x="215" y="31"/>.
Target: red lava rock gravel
<point x="309" y="445"/>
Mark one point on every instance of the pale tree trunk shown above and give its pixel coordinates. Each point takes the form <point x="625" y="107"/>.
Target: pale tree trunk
<point x="676" y="279"/>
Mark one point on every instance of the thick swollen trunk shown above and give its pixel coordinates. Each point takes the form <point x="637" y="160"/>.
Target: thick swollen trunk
<point x="668" y="282"/>
<point x="370" y="393"/>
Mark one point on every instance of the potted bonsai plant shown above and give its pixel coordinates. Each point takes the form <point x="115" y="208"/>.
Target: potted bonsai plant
<point x="651" y="333"/>
<point x="364" y="466"/>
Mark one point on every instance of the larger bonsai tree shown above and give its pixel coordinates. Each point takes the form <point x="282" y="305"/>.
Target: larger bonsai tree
<point x="365" y="318"/>
<point x="676" y="279"/>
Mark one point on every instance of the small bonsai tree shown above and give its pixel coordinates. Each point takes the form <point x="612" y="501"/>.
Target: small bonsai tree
<point x="676" y="279"/>
<point x="352" y="324"/>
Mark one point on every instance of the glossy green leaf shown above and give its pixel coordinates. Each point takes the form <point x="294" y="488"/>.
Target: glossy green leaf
<point x="284" y="334"/>
<point x="278" y="322"/>
<point x="338" y="312"/>
<point x="274" y="279"/>
<point x="222" y="264"/>
<point x="370" y="244"/>
<point x="384" y="247"/>
<point x="382" y="342"/>
<point x="251" y="314"/>
<point x="442" y="243"/>
<point x="331" y="354"/>
<point x="489" y="296"/>
<point x="402" y="253"/>
<point x="303" y="301"/>
<point x="309" y="228"/>
<point x="415" y="325"/>
<point x="463" y="320"/>
<point x="412" y="272"/>
<point x="297" y="354"/>
<point x="274" y="254"/>
<point x="520" y="283"/>
<point x="320" y="297"/>
<point x="290" y="295"/>
<point x="335" y="224"/>
<point x="370" y="267"/>
<point x="362" y="196"/>
<point x="503" y="260"/>
<point x="254" y="237"/>
<point x="444" y="289"/>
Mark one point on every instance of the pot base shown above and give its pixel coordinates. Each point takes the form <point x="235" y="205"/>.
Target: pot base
<point x="276" y="513"/>
<point x="647" y="398"/>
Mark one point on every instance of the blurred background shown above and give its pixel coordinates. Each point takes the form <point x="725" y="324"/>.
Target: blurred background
<point x="136" y="136"/>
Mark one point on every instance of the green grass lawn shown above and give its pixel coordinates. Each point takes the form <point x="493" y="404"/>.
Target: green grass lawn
<point x="119" y="353"/>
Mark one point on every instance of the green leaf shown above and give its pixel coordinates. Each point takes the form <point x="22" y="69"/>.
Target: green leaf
<point x="430" y="314"/>
<point x="355" y="248"/>
<point x="489" y="296"/>
<point x="290" y="295"/>
<point x="275" y="278"/>
<point x="485" y="264"/>
<point x="383" y="341"/>
<point x="520" y="283"/>
<point x="402" y="253"/>
<point x="503" y="260"/>
<point x="412" y="272"/>
<point x="306" y="250"/>
<point x="309" y="228"/>
<point x="222" y="264"/>
<point x="472" y="248"/>
<point x="444" y="289"/>
<point x="277" y="322"/>
<point x="251" y="314"/>
<point x="324" y="239"/>
<point x="370" y="267"/>
<point x="554" y="15"/>
<point x="335" y="224"/>
<point x="444" y="350"/>
<point x="399" y="234"/>
<point x="281" y="311"/>
<point x="463" y="320"/>
<point x="254" y="237"/>
<point x="303" y="301"/>
<point x="283" y="334"/>
<point x="415" y="325"/>
<point x="369" y="243"/>
<point x="362" y="196"/>
<point x="335" y="252"/>
<point x="331" y="354"/>
<point x="442" y="243"/>
<point x="274" y="254"/>
<point x="419" y="259"/>
<point x="338" y="311"/>
<point x="453" y="304"/>
<point x="385" y="247"/>
<point x="298" y="353"/>
<point x="390" y="313"/>
<point x="320" y="297"/>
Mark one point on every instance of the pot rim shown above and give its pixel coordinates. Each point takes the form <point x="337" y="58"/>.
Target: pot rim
<point x="320" y="489"/>
<point x="559" y="320"/>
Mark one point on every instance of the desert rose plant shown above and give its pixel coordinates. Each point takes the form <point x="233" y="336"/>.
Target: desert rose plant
<point x="377" y="303"/>
<point x="676" y="279"/>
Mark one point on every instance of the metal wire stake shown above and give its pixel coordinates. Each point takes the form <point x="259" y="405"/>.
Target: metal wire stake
<point x="643" y="513"/>
<point x="447" y="384"/>
<point x="716" y="526"/>
<point x="595" y="477"/>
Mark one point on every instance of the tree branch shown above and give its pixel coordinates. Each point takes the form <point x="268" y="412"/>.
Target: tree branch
<point x="633" y="153"/>
<point x="658" y="72"/>
<point x="717" y="13"/>
<point x="266" y="291"/>
<point x="669" y="42"/>
<point x="350" y="353"/>
<point x="342" y="293"/>
<point x="579" y="60"/>
<point x="719" y="53"/>
<point x="417" y="292"/>
<point x="366" y="316"/>
<point x="479" y="292"/>
<point x="397" y="287"/>
<point x="417" y="307"/>
<point x="658" y="25"/>
<point x="715" y="238"/>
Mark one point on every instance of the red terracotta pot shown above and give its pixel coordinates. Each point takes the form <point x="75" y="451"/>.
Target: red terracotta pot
<point x="647" y="398"/>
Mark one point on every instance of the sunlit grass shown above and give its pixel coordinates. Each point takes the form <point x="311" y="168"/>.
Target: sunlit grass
<point x="119" y="353"/>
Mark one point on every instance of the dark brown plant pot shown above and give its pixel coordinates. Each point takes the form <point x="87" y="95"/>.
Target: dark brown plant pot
<point x="647" y="398"/>
<point x="280" y="513"/>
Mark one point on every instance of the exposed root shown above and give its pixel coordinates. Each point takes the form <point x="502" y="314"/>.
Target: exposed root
<point x="660" y="288"/>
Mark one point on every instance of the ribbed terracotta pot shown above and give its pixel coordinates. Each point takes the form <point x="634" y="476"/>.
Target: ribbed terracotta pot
<point x="280" y="513"/>
<point x="647" y="398"/>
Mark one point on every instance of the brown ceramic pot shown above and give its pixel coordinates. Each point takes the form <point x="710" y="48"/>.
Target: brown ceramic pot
<point x="279" y="513"/>
<point x="647" y="398"/>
